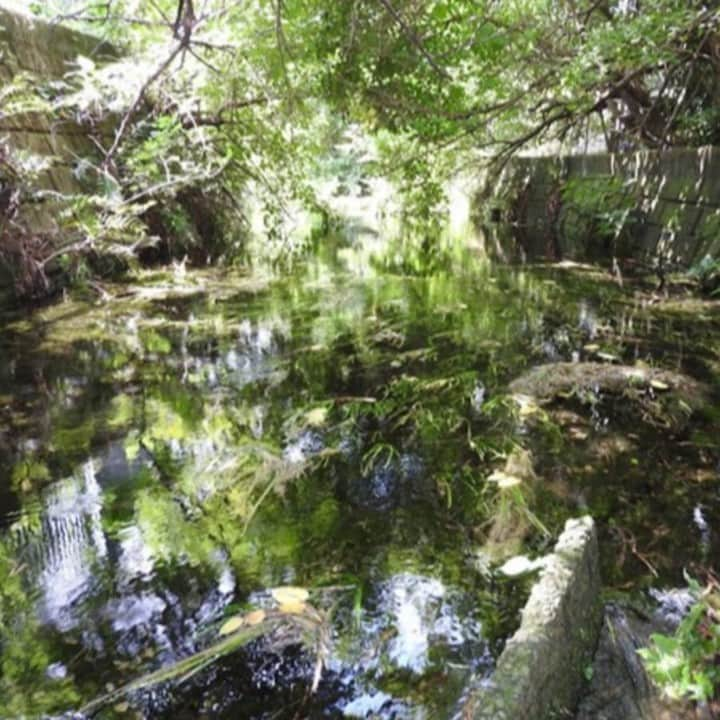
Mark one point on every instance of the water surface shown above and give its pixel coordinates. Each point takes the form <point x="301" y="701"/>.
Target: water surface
<point x="169" y="457"/>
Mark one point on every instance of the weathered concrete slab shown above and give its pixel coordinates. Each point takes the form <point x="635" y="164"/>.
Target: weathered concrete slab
<point x="541" y="672"/>
<point x="46" y="51"/>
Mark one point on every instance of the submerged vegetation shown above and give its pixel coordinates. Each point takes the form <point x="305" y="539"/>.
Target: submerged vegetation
<point x="354" y="434"/>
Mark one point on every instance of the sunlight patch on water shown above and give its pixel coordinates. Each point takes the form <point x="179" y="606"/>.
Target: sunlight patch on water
<point x="72" y="541"/>
<point x="415" y="603"/>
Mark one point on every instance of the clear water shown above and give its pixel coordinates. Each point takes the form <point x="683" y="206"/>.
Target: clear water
<point x="168" y="458"/>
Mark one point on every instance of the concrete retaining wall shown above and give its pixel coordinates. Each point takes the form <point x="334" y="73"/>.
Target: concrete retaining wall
<point x="674" y="196"/>
<point x="540" y="674"/>
<point x="46" y="53"/>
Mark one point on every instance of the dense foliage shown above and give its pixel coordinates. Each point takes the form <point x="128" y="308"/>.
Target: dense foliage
<point x="213" y="98"/>
<point x="208" y="103"/>
<point x="508" y="75"/>
<point x="685" y="664"/>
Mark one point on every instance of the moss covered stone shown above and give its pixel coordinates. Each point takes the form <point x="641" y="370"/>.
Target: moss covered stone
<point x="541" y="672"/>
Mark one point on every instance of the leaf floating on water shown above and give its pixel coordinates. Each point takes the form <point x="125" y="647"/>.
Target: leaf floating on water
<point x="519" y="565"/>
<point x="504" y="480"/>
<point x="434" y="385"/>
<point x="254" y="618"/>
<point x="232" y="625"/>
<point x="293" y="607"/>
<point x="316" y="417"/>
<point x="684" y="407"/>
<point x="578" y="433"/>
<point x="238" y="621"/>
<point x="526" y="405"/>
<point x="659" y="385"/>
<point x="287" y="595"/>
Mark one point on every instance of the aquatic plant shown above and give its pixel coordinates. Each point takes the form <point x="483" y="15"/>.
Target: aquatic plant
<point x="685" y="664"/>
<point x="509" y="506"/>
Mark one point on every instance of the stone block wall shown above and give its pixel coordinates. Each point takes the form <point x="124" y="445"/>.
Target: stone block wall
<point x="46" y="52"/>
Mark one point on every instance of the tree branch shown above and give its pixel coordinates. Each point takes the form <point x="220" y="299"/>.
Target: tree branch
<point x="414" y="39"/>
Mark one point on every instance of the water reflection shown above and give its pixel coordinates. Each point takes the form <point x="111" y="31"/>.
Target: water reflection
<point x="167" y="463"/>
<point x="66" y="549"/>
<point x="419" y="611"/>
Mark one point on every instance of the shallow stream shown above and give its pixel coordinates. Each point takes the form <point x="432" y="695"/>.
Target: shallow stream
<point x="169" y="457"/>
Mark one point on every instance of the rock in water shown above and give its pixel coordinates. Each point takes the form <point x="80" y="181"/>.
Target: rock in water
<point x="664" y="397"/>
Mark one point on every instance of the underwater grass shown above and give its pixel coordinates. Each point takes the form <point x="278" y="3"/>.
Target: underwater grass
<point x="296" y="621"/>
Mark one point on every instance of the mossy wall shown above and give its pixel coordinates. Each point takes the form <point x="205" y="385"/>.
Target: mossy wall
<point x="44" y="53"/>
